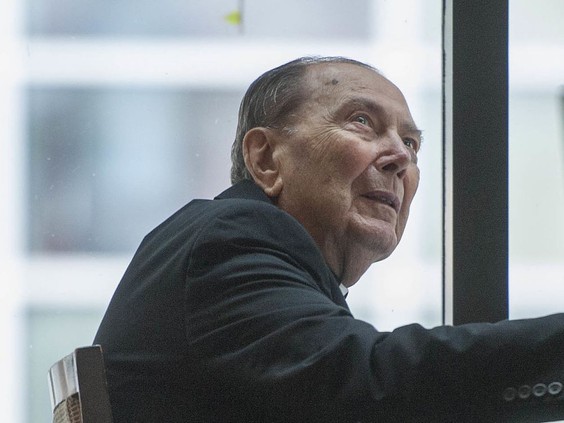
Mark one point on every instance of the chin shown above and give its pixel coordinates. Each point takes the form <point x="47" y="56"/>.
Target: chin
<point x="382" y="245"/>
<point x="385" y="255"/>
<point x="378" y="237"/>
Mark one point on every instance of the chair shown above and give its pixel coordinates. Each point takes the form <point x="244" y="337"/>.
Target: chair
<point x="78" y="388"/>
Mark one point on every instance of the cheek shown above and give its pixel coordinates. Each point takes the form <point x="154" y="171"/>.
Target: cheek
<point x="354" y="159"/>
<point x="410" y="184"/>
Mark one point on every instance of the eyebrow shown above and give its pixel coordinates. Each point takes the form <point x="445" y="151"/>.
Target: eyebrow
<point x="412" y="129"/>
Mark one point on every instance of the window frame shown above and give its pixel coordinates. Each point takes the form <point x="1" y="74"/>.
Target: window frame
<point x="475" y="161"/>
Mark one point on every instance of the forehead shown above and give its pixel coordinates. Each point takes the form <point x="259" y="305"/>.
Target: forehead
<point x="333" y="81"/>
<point x="350" y="76"/>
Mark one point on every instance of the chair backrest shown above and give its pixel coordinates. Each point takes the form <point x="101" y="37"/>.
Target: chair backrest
<point x="78" y="388"/>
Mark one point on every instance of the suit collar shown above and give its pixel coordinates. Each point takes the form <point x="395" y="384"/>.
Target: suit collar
<point x="245" y="189"/>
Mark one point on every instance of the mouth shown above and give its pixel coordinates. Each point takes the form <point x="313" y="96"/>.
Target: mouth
<point x="386" y="198"/>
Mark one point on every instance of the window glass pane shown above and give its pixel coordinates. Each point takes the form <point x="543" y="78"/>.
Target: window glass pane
<point x="51" y="334"/>
<point x="536" y="152"/>
<point x="130" y="17"/>
<point x="107" y="163"/>
<point x="299" y="19"/>
<point x="103" y="158"/>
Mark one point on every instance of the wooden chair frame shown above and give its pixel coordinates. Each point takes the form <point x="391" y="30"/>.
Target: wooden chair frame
<point x="78" y="388"/>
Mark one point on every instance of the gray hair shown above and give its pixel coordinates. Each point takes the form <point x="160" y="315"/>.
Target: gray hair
<point x="270" y="101"/>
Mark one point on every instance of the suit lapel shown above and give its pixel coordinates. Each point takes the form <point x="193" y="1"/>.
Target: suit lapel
<point x="249" y="190"/>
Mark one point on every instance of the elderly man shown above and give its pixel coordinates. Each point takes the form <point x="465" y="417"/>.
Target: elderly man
<point x="233" y="309"/>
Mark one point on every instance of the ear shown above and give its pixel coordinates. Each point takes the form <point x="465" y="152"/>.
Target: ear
<point x="259" y="145"/>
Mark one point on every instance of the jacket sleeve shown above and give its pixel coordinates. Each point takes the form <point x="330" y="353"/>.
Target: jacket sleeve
<point x="268" y="344"/>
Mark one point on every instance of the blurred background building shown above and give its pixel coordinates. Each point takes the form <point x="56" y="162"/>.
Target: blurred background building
<point x="114" y="114"/>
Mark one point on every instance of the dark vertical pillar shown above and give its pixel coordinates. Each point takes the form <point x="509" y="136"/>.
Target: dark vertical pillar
<point x="475" y="41"/>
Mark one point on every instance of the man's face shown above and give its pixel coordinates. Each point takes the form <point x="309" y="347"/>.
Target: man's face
<point x="348" y="164"/>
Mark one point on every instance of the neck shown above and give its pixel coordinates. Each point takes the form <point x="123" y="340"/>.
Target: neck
<point x="348" y="264"/>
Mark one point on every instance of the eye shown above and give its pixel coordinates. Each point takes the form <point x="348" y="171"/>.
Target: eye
<point x="361" y="119"/>
<point x="411" y="143"/>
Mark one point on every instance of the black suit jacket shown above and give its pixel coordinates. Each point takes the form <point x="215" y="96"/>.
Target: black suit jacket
<point x="229" y="313"/>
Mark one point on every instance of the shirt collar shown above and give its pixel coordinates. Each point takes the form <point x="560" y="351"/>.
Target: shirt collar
<point x="344" y="290"/>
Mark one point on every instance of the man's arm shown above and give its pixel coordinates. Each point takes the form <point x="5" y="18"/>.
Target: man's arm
<point x="270" y="345"/>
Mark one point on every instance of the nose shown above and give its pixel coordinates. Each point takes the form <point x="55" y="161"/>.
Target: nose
<point x="393" y="155"/>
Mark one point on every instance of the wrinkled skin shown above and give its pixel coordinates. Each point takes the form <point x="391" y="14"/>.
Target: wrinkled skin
<point x="346" y="166"/>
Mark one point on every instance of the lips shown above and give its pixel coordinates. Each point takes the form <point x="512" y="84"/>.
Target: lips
<point x="384" y="197"/>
